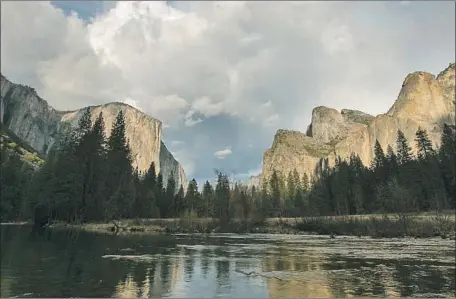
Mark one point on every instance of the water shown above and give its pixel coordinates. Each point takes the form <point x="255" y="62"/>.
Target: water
<point x="64" y="263"/>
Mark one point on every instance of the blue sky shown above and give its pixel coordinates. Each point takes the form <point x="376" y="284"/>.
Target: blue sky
<point x="85" y="9"/>
<point x="224" y="76"/>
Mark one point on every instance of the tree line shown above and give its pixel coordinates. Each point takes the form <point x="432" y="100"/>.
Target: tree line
<point x="89" y="177"/>
<point x="394" y="182"/>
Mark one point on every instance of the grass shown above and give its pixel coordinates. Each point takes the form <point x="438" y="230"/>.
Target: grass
<point x="376" y="226"/>
<point x="381" y="227"/>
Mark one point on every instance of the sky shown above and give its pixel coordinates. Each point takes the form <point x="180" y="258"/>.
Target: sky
<point x="223" y="77"/>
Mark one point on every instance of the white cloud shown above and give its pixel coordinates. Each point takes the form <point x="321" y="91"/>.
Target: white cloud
<point x="131" y="102"/>
<point x="207" y="107"/>
<point x="190" y="119"/>
<point x="222" y="154"/>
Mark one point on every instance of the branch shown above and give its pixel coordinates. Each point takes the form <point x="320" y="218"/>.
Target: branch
<point x="257" y="274"/>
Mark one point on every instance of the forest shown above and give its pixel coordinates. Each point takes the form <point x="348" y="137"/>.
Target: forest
<point x="88" y="177"/>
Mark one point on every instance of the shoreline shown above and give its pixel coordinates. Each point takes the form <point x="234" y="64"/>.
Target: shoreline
<point x="375" y="226"/>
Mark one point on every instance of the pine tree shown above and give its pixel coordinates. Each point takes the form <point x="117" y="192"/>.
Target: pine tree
<point x="424" y="144"/>
<point x="169" y="195"/>
<point x="160" y="196"/>
<point x="246" y="207"/>
<point x="120" y="184"/>
<point x="274" y="184"/>
<point x="379" y="160"/>
<point x="305" y="183"/>
<point x="208" y="199"/>
<point x="404" y="151"/>
<point x="179" y="201"/>
<point x="150" y="179"/>
<point x="392" y="163"/>
<point x="292" y="188"/>
<point x="340" y="188"/>
<point x="222" y="198"/>
<point x="97" y="170"/>
<point x="266" y="201"/>
<point x="447" y="159"/>
<point x="191" y="197"/>
<point x="357" y="180"/>
<point x="15" y="174"/>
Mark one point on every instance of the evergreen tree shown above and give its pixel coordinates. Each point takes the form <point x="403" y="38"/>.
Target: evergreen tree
<point x="379" y="160"/>
<point x="15" y="175"/>
<point x="160" y="197"/>
<point x="169" y="195"/>
<point x="447" y="159"/>
<point x="356" y="180"/>
<point x="305" y="183"/>
<point x="150" y="179"/>
<point x="274" y="184"/>
<point x="120" y="173"/>
<point x="208" y="199"/>
<point x="191" y="197"/>
<point x="392" y="163"/>
<point x="95" y="171"/>
<point x="179" y="201"/>
<point x="340" y="188"/>
<point x="266" y="201"/>
<point x="222" y="198"/>
<point x="292" y="188"/>
<point x="404" y="151"/>
<point x="245" y="205"/>
<point x="424" y="144"/>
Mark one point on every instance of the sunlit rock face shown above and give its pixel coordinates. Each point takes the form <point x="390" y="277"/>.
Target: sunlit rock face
<point x="40" y="125"/>
<point x="424" y="100"/>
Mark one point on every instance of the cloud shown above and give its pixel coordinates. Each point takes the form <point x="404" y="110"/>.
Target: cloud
<point x="218" y="73"/>
<point x="177" y="142"/>
<point x="222" y="154"/>
<point x="190" y="119"/>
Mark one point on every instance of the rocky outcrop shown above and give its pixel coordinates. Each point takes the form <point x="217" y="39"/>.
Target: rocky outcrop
<point x="170" y="167"/>
<point x="424" y="100"/>
<point x="34" y="121"/>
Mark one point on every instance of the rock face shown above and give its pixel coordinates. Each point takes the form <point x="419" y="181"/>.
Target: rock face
<point x="424" y="100"/>
<point x="34" y="121"/>
<point x="170" y="167"/>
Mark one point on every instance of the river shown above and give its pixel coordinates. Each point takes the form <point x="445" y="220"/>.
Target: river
<point x="63" y="263"/>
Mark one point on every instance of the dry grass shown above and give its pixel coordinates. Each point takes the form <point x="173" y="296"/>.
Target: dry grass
<point x="377" y="225"/>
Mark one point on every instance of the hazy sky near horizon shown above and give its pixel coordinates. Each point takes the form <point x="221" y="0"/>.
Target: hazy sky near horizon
<point x="224" y="76"/>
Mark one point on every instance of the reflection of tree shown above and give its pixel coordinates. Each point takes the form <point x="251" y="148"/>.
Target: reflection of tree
<point x="165" y="268"/>
<point x="223" y="271"/>
<point x="58" y="264"/>
<point x="139" y="275"/>
<point x="205" y="261"/>
<point x="68" y="265"/>
<point x="189" y="264"/>
<point x="303" y="283"/>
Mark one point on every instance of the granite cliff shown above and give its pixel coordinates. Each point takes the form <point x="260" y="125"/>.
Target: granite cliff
<point x="34" y="121"/>
<point x="424" y="100"/>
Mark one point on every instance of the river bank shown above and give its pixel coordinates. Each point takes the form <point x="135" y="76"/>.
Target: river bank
<point x="376" y="226"/>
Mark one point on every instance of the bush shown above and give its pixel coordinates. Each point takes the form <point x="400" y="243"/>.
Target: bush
<point x="403" y="226"/>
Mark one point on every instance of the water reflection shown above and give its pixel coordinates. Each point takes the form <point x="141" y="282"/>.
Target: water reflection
<point x="71" y="264"/>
